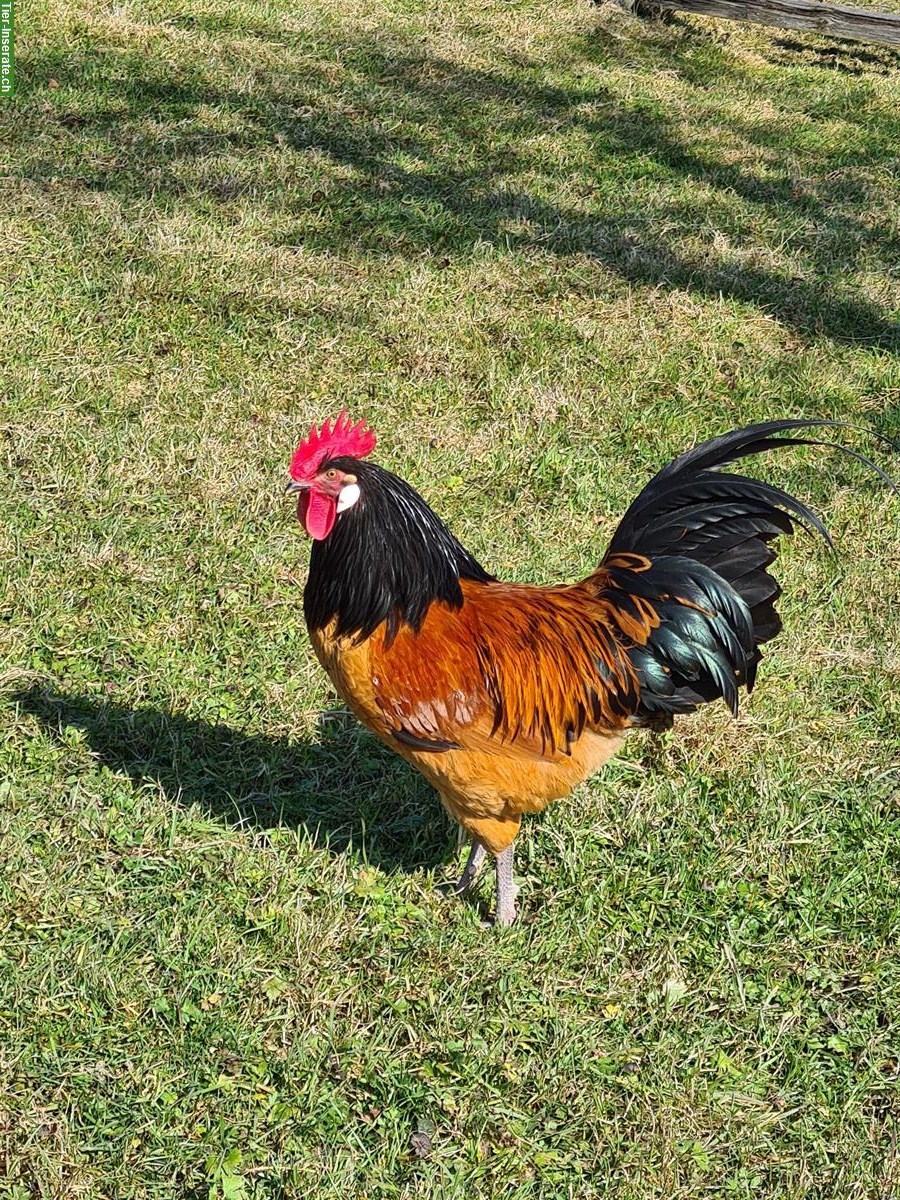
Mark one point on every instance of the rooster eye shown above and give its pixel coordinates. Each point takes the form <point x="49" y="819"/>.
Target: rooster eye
<point x="331" y="473"/>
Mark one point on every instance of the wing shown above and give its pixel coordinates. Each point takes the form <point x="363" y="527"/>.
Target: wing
<point x="523" y="668"/>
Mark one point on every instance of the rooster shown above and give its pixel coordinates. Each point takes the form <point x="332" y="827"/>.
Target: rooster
<point x="505" y="696"/>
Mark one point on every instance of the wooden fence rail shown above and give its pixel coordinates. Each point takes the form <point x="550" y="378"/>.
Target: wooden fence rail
<point x="833" y="20"/>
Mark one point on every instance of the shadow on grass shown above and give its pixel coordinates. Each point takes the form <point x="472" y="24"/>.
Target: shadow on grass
<point x="379" y="147"/>
<point x="835" y="55"/>
<point x="345" y="790"/>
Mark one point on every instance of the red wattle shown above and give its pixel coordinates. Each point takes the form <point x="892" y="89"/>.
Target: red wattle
<point x="318" y="514"/>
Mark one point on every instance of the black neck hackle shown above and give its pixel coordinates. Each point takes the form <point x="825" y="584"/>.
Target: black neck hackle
<point x="388" y="558"/>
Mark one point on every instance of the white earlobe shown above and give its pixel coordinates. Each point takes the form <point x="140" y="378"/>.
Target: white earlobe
<point x="348" y="497"/>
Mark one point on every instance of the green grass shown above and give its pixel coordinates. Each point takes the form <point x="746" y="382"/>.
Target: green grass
<point x="542" y="247"/>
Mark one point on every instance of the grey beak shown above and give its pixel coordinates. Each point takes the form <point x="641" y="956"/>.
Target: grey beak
<point x="293" y="487"/>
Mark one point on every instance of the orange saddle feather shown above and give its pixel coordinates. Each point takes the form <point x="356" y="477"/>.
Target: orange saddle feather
<point x="505" y="703"/>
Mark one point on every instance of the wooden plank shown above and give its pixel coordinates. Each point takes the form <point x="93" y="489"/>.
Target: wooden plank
<point x="832" y="20"/>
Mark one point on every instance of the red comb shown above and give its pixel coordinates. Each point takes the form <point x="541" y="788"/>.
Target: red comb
<point x="333" y="440"/>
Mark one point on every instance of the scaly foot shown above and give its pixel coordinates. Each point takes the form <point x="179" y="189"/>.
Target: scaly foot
<point x="461" y="886"/>
<point x="506" y="888"/>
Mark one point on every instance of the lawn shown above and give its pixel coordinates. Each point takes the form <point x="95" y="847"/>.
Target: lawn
<point x="542" y="247"/>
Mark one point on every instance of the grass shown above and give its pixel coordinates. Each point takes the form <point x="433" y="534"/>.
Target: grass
<point x="541" y="247"/>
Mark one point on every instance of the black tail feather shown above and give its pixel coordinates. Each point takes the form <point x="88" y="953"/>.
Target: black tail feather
<point x="707" y="538"/>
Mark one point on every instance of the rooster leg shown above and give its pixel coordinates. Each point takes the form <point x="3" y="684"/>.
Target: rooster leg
<point x="506" y="887"/>
<point x="472" y="867"/>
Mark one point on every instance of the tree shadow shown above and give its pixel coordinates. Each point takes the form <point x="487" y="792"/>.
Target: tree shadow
<point x="378" y="147"/>
<point x="344" y="790"/>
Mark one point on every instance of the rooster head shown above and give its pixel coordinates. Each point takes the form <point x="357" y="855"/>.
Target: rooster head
<point x="323" y="486"/>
